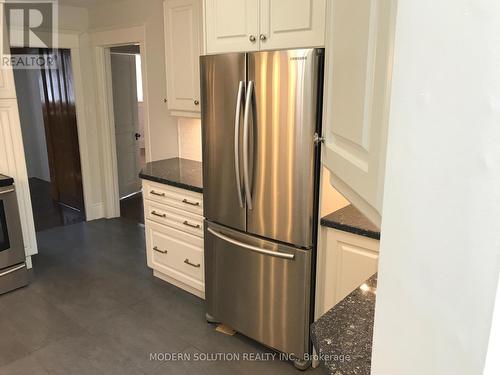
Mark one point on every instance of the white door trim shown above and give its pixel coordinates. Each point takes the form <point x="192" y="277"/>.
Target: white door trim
<point x="71" y="40"/>
<point x="101" y="42"/>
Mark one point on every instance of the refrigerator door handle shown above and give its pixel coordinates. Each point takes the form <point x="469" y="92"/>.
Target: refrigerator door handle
<point x="237" y="141"/>
<point x="246" y="173"/>
<point x="250" y="247"/>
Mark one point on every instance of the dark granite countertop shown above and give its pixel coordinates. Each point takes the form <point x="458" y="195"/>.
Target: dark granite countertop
<point x="6" y="180"/>
<point x="350" y="219"/>
<point x="343" y="336"/>
<point x="181" y="173"/>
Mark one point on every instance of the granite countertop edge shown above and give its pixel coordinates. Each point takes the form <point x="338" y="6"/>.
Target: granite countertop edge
<point x="350" y="219"/>
<point x="178" y="172"/>
<point x="165" y="181"/>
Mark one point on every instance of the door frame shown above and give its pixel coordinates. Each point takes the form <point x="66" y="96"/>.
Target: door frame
<point x="101" y="42"/>
<point x="71" y="40"/>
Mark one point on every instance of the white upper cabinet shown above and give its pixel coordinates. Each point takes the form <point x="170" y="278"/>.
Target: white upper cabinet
<point x="253" y="25"/>
<point x="232" y="25"/>
<point x="359" y="54"/>
<point x="292" y="23"/>
<point x="183" y="22"/>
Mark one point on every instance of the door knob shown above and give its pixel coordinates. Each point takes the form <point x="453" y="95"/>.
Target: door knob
<point x="137" y="136"/>
<point x="252" y="38"/>
<point x="263" y="37"/>
<point x="196" y="102"/>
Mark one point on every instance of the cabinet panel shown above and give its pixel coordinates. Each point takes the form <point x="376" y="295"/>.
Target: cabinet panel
<point x="230" y="24"/>
<point x="292" y="23"/>
<point x="176" y="254"/>
<point x="173" y="217"/>
<point x="344" y="262"/>
<point x="175" y="197"/>
<point x="355" y="265"/>
<point x="357" y="96"/>
<point x="183" y="48"/>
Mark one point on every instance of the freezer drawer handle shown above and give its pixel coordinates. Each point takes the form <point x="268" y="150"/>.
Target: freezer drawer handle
<point x="157" y="194"/>
<point x="157" y="214"/>
<point x="191" y="203"/>
<point x="192" y="264"/>
<point x="6" y="191"/>
<point x="250" y="247"/>
<point x="188" y="224"/>
<point x="13" y="270"/>
<point x="160" y="251"/>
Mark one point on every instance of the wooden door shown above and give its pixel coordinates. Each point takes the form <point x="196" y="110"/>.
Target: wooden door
<point x="126" y="117"/>
<point x="359" y="55"/>
<point x="59" y="111"/>
<point x="292" y="24"/>
<point x="183" y="48"/>
<point x="232" y="25"/>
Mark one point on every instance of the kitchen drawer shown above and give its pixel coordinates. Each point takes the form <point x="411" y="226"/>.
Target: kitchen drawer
<point x="172" y="196"/>
<point x="173" y="217"/>
<point x="176" y="254"/>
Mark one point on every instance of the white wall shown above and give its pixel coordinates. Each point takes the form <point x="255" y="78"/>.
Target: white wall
<point x="162" y="127"/>
<point x="32" y="124"/>
<point x="440" y="248"/>
<point x="493" y="357"/>
<point x="189" y="130"/>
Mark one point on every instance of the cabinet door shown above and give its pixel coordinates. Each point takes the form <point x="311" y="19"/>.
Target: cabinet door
<point x="232" y="25"/>
<point x="292" y="23"/>
<point x="359" y="55"/>
<point x="183" y="48"/>
<point x="344" y="262"/>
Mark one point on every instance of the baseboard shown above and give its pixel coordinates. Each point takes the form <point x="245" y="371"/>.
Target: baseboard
<point x="95" y="211"/>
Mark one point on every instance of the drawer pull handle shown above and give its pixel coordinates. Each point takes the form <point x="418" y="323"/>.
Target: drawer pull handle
<point x="160" y="251"/>
<point x="157" y="194"/>
<point x="192" y="264"/>
<point x="157" y="214"/>
<point x="188" y="224"/>
<point x="191" y="203"/>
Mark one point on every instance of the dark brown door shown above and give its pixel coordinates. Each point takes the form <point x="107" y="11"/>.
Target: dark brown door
<point x="59" y="111"/>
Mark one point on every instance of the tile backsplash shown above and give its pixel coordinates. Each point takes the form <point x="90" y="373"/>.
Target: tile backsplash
<point x="189" y="130"/>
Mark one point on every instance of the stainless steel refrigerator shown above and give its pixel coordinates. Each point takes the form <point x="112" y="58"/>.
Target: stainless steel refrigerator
<point x="261" y="116"/>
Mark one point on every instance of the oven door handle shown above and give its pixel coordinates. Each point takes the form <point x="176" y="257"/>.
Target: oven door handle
<point x="6" y="191"/>
<point x="13" y="270"/>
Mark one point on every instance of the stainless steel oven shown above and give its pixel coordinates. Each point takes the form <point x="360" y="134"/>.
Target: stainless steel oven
<point x="13" y="273"/>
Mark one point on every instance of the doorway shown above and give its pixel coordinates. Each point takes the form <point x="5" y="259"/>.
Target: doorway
<point x="128" y="114"/>
<point x="47" y="110"/>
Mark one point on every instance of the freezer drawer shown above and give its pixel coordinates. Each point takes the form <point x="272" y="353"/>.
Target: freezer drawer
<point x="265" y="296"/>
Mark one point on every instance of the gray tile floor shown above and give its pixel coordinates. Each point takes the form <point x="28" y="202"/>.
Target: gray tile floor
<point x="94" y="308"/>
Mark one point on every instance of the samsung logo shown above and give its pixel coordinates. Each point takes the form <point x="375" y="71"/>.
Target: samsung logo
<point x="298" y="58"/>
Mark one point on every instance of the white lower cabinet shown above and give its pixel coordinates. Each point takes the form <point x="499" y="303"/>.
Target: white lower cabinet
<point x="344" y="262"/>
<point x="174" y="237"/>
